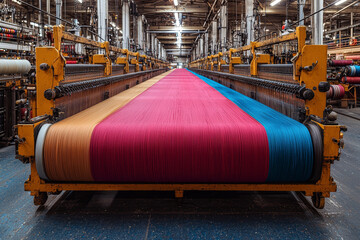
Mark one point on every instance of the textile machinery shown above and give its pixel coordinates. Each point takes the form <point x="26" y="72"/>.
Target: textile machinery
<point x="15" y="78"/>
<point x="297" y="90"/>
<point x="180" y="130"/>
<point x="344" y="77"/>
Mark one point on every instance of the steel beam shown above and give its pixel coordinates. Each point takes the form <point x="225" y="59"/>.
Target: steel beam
<point x="168" y="37"/>
<point x="173" y="28"/>
<point x="171" y="9"/>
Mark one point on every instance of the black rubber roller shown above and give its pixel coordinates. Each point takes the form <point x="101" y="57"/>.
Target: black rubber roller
<point x="318" y="146"/>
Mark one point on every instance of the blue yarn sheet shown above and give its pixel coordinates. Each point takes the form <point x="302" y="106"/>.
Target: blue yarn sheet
<point x="290" y="144"/>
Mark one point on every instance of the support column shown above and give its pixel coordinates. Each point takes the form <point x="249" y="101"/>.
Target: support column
<point x="48" y="10"/>
<point x="301" y="4"/>
<point x="351" y="23"/>
<point x="213" y="37"/>
<point x="159" y="50"/>
<point x="198" y="52"/>
<point x="58" y="11"/>
<point x="78" y="46"/>
<point x="206" y="44"/>
<point x="201" y="47"/>
<point x="140" y="34"/>
<point x="156" y="48"/>
<point x="318" y="26"/>
<point x="250" y="19"/>
<point x="41" y="27"/>
<point x="148" y="39"/>
<point x="102" y="12"/>
<point x="126" y="24"/>
<point x="223" y="29"/>
<point x="152" y="44"/>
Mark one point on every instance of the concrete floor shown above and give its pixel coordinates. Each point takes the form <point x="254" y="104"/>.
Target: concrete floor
<point x="210" y="215"/>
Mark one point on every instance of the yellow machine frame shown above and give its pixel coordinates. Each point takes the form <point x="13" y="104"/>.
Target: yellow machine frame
<point x="307" y="55"/>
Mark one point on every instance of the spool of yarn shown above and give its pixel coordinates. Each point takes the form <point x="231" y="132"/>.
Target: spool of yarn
<point x="336" y="92"/>
<point x="340" y="62"/>
<point x="71" y="62"/>
<point x="8" y="30"/>
<point x="12" y="66"/>
<point x="354" y="57"/>
<point x="330" y="93"/>
<point x="351" y="80"/>
<point x="353" y="71"/>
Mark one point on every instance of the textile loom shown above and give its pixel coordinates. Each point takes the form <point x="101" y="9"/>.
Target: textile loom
<point x="181" y="130"/>
<point x="297" y="89"/>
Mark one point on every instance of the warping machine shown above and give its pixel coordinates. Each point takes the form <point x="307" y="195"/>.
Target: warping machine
<point x="182" y="131"/>
<point x="297" y="89"/>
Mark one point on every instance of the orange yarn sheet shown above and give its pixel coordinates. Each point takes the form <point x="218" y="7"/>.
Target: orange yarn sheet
<point x="68" y="141"/>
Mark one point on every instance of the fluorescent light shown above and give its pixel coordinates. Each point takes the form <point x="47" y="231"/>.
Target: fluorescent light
<point x="340" y="2"/>
<point x="80" y="1"/>
<point x="177" y="21"/>
<point x="275" y="2"/>
<point x="34" y="24"/>
<point x="176" y="2"/>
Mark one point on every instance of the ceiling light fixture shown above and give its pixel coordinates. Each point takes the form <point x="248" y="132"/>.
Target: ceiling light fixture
<point x="340" y="2"/>
<point x="274" y="2"/>
<point x="177" y="21"/>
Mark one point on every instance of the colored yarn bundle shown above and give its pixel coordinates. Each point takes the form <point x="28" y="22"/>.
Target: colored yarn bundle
<point x="335" y="92"/>
<point x="7" y="30"/>
<point x="340" y="62"/>
<point x="353" y="71"/>
<point x="178" y="127"/>
<point x="354" y="57"/>
<point x="351" y="80"/>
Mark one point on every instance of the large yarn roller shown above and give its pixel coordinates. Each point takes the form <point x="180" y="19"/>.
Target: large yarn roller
<point x="340" y="62"/>
<point x="12" y="66"/>
<point x="355" y="57"/>
<point x="353" y="71"/>
<point x="335" y="92"/>
<point x="183" y="128"/>
<point x="351" y="80"/>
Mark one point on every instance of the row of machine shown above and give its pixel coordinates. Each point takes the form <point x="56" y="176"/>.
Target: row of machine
<point x="344" y="77"/>
<point x="178" y="131"/>
<point x="19" y="85"/>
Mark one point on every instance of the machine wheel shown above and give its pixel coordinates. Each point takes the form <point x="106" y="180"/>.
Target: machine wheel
<point x="318" y="200"/>
<point x="40" y="199"/>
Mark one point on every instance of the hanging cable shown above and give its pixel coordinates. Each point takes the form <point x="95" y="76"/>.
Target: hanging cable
<point x="52" y="15"/>
<point x="310" y="15"/>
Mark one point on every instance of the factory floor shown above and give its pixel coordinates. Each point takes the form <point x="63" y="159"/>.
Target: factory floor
<point x="205" y="215"/>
